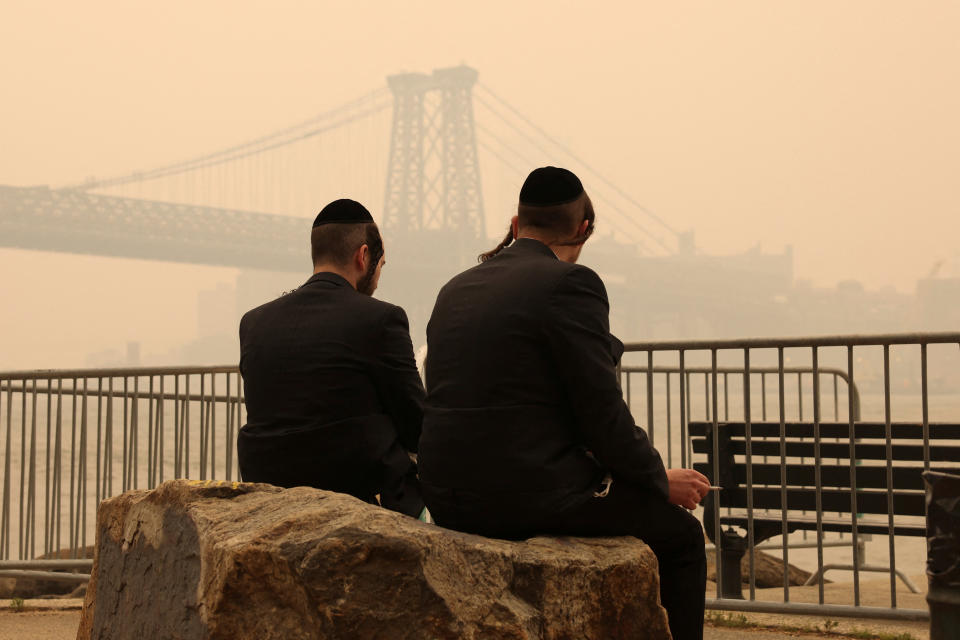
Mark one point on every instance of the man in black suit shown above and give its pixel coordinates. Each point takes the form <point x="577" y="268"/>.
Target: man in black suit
<point x="526" y="431"/>
<point x="333" y="396"/>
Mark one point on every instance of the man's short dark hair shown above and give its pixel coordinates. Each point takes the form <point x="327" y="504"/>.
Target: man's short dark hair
<point x="553" y="221"/>
<point x="558" y="220"/>
<point x="336" y="243"/>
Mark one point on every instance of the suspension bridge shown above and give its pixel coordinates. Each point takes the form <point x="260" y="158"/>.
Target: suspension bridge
<point x="438" y="158"/>
<point x="250" y="205"/>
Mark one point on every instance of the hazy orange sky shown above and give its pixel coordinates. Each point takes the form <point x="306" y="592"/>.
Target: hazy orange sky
<point x="829" y="125"/>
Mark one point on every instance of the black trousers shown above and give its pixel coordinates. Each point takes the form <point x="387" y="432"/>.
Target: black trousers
<point x="300" y="459"/>
<point x="674" y="535"/>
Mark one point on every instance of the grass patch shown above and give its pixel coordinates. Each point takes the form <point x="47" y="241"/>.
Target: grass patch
<point x="827" y="629"/>
<point x="728" y="619"/>
<point x="16" y="605"/>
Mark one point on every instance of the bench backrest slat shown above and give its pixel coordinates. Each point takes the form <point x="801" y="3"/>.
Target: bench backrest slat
<point x="862" y="430"/>
<point x="831" y="500"/>
<point x="837" y="450"/>
<point x="831" y="475"/>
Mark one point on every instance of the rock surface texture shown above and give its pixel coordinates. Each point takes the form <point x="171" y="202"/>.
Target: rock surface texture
<point x="236" y="560"/>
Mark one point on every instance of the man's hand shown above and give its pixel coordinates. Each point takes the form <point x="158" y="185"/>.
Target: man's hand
<point x="687" y="487"/>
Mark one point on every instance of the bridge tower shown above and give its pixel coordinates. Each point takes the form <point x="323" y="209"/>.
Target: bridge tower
<point x="433" y="173"/>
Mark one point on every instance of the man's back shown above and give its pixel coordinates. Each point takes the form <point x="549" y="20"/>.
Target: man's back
<point x="330" y="385"/>
<point x="526" y="430"/>
<point x="520" y="385"/>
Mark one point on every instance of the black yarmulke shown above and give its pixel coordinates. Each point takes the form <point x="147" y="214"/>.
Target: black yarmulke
<point x="549" y="186"/>
<point x="343" y="211"/>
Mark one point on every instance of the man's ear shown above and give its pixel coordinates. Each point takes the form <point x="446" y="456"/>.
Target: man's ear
<point x="515" y="225"/>
<point x="361" y="257"/>
<point x="582" y="228"/>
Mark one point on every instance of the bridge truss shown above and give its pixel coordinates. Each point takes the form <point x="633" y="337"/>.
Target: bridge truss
<point x="74" y="221"/>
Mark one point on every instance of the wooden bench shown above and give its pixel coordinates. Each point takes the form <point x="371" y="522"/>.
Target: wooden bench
<point x="873" y="502"/>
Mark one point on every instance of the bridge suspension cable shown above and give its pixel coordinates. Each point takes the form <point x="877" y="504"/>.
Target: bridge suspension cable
<point x="596" y="194"/>
<point x="355" y="110"/>
<point x="488" y="94"/>
<point x="599" y="196"/>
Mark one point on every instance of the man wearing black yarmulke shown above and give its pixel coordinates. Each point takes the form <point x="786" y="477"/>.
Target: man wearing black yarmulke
<point x="333" y="396"/>
<point x="526" y="431"/>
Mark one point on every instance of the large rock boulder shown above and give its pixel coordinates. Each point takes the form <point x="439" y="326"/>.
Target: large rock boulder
<point x="235" y="560"/>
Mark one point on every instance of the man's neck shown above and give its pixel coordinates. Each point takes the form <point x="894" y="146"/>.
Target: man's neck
<point x="564" y="253"/>
<point x="337" y="269"/>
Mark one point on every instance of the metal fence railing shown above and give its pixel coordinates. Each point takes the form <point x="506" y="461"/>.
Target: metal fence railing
<point x="69" y="439"/>
<point x="826" y="437"/>
<point x="664" y="385"/>
<point x="815" y="418"/>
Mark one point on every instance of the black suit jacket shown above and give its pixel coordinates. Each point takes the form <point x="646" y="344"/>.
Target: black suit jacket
<point x="524" y="410"/>
<point x="333" y="396"/>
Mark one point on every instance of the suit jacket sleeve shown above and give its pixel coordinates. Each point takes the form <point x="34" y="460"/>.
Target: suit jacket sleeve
<point x="398" y="381"/>
<point x="578" y="332"/>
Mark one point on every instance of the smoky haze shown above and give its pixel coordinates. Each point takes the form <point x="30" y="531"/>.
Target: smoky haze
<point x="824" y="133"/>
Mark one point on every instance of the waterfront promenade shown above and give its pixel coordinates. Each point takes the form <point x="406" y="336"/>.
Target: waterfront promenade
<point x="57" y="619"/>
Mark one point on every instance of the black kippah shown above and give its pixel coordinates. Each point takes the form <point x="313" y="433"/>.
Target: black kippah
<point x="549" y="186"/>
<point x="343" y="211"/>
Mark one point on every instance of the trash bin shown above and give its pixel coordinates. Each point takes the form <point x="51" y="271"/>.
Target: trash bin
<point x="943" y="554"/>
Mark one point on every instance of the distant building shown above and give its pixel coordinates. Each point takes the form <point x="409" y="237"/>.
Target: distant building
<point x="216" y="310"/>
<point x="938" y="301"/>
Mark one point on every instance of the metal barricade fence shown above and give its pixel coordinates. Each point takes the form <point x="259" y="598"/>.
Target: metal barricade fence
<point x="695" y="403"/>
<point x="666" y="423"/>
<point x="70" y="438"/>
<point x="851" y="414"/>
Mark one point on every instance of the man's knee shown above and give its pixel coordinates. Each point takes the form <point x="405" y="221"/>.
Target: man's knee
<point x="682" y="537"/>
<point x="691" y="532"/>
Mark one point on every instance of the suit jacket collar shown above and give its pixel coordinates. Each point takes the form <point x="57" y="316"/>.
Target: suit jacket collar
<point x="530" y="246"/>
<point x="328" y="276"/>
